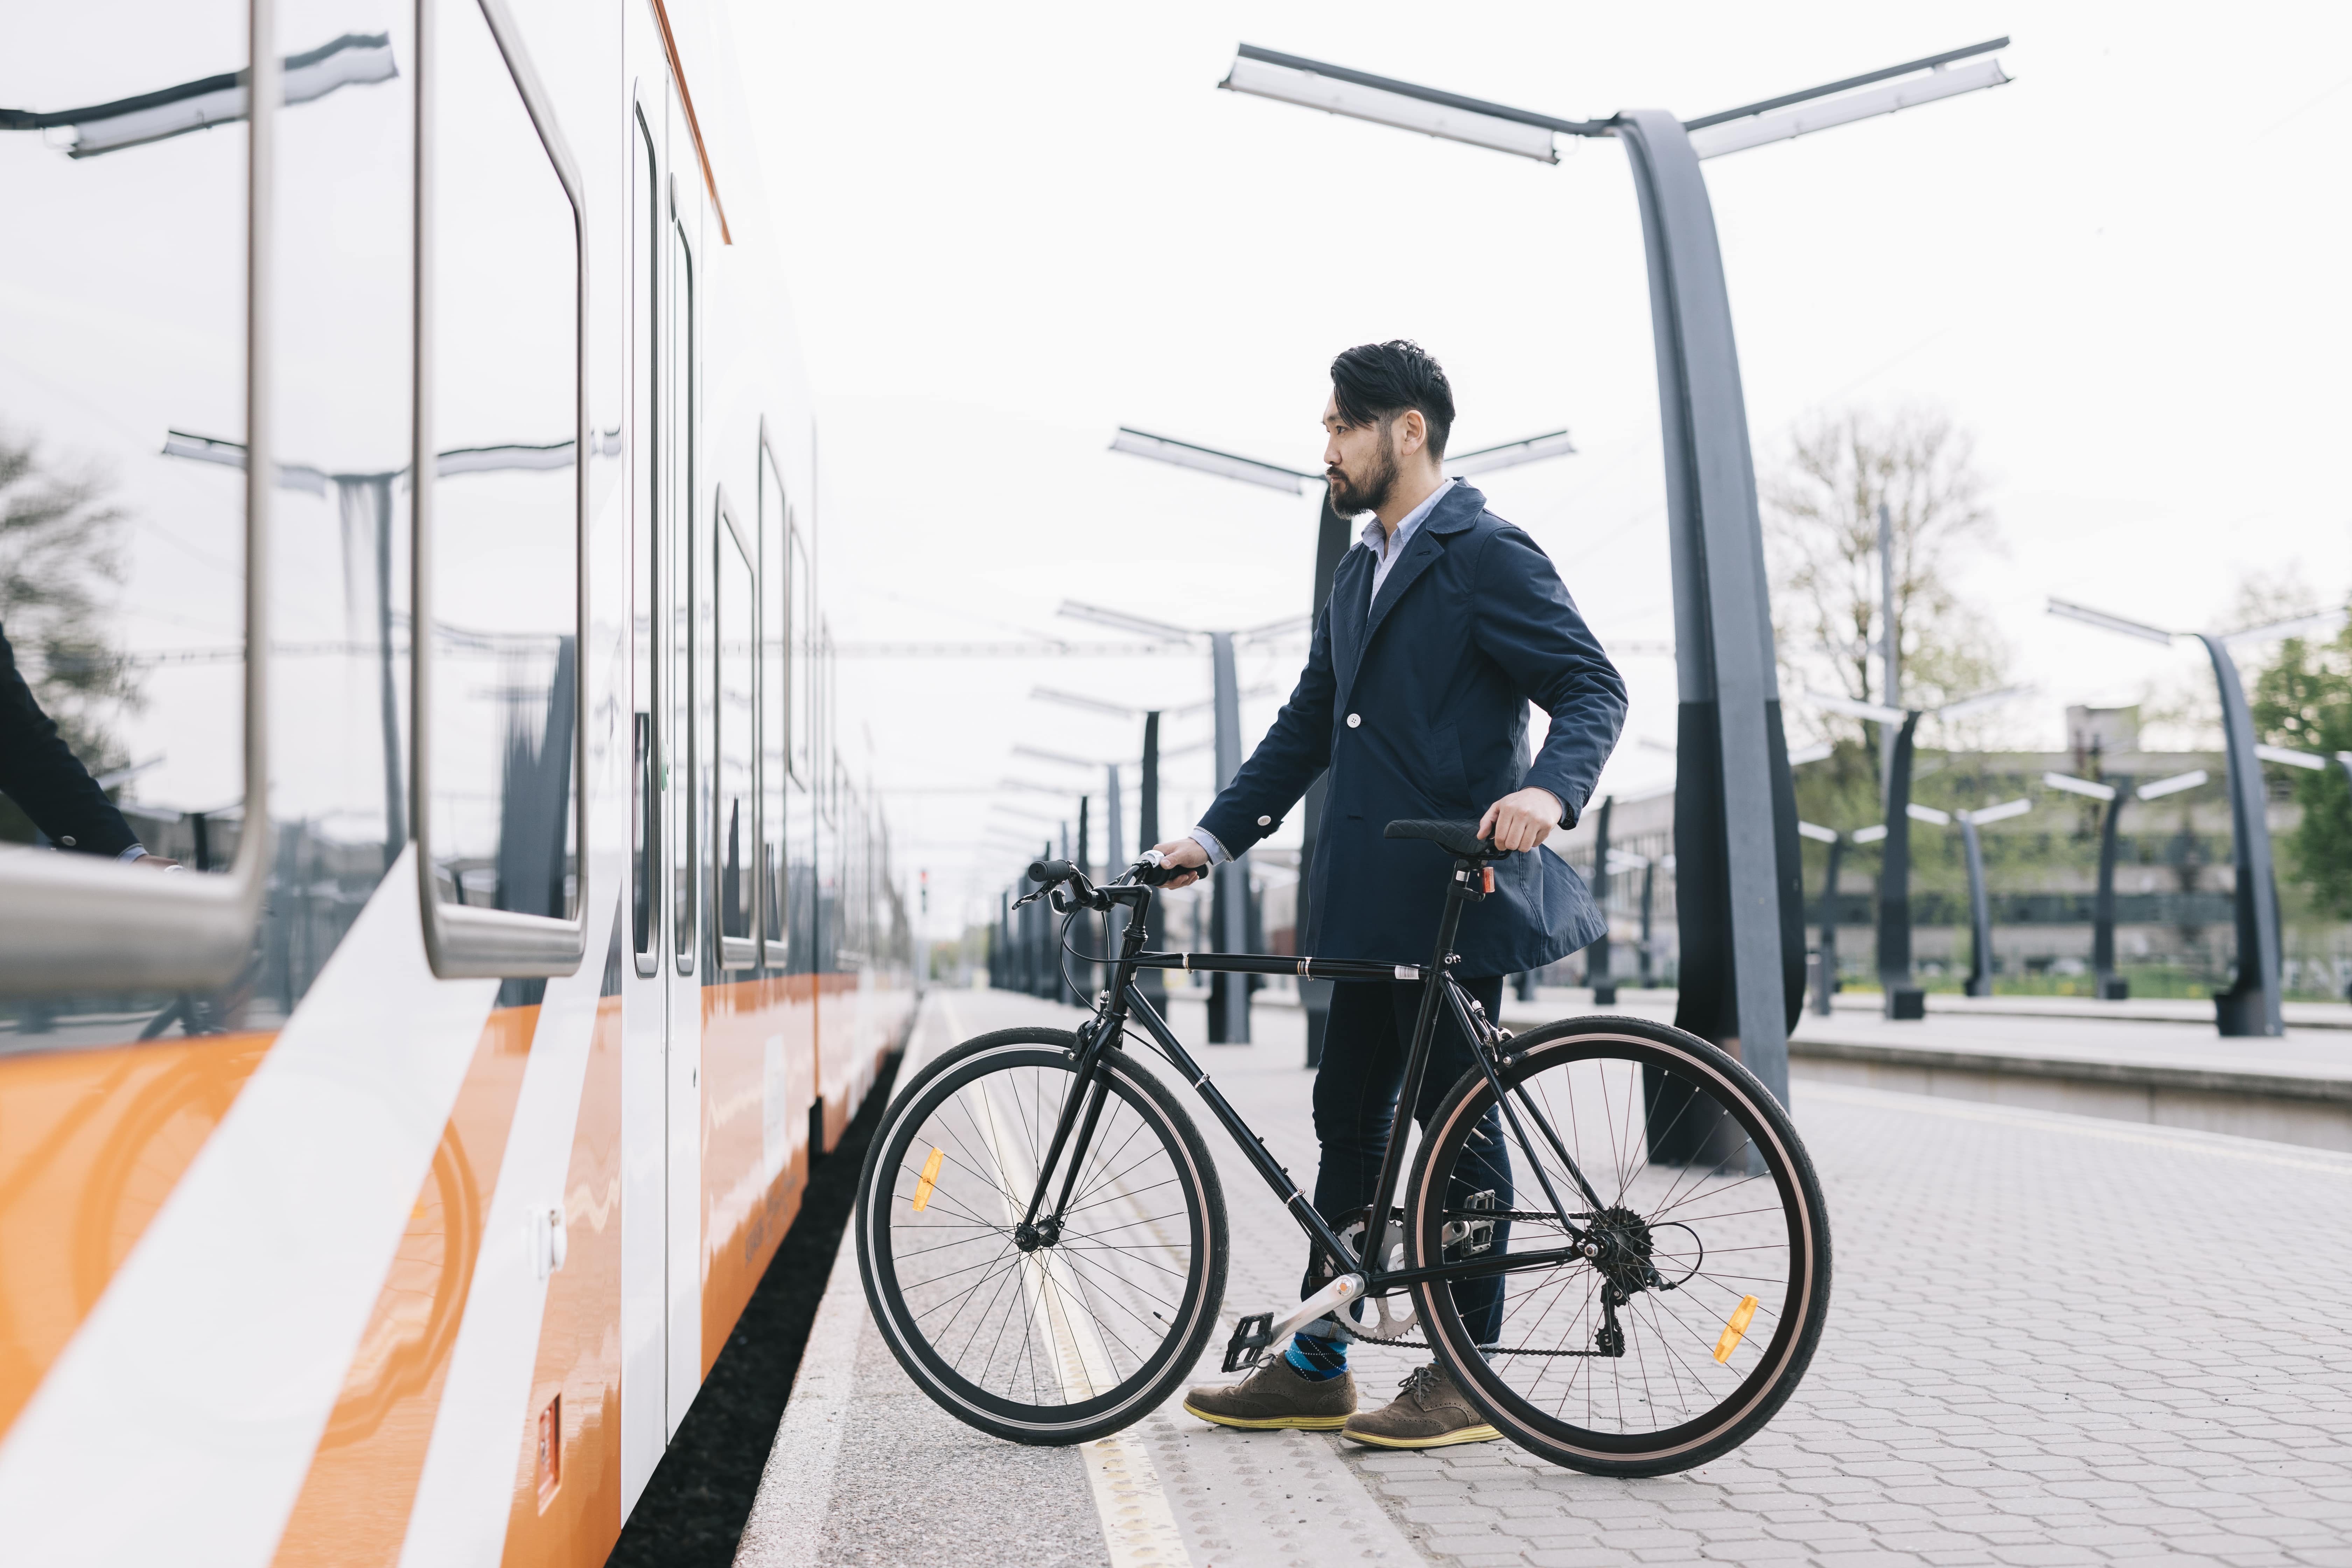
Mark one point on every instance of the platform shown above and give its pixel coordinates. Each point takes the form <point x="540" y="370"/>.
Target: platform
<point x="2008" y="1375"/>
<point x="2147" y="1062"/>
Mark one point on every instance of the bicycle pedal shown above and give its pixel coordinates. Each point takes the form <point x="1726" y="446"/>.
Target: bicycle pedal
<point x="1251" y="1337"/>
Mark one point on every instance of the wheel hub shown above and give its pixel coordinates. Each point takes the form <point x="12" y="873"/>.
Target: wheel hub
<point x="1619" y="1248"/>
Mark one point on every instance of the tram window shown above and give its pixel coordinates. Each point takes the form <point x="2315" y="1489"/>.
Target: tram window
<point x="734" y="817"/>
<point x="122" y="457"/>
<point x="775" y="676"/>
<point x="644" y="554"/>
<point x="502" y="363"/>
<point x="688" y="733"/>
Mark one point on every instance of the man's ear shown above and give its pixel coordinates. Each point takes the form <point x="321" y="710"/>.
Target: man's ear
<point x="1413" y="433"/>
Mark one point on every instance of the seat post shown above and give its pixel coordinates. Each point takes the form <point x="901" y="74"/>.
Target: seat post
<point x="1416" y="1066"/>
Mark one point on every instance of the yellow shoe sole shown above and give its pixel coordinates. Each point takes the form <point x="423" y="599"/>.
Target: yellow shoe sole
<point x="1271" y="1423"/>
<point x="1480" y="1434"/>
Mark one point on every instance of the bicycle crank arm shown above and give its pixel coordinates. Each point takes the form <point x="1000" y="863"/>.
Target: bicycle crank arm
<point x="1257" y="1333"/>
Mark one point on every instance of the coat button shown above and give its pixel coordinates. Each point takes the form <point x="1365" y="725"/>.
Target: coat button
<point x="1265" y="822"/>
<point x="1355" y="720"/>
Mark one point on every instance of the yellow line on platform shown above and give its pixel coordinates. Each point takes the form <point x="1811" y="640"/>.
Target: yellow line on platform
<point x="1139" y="1522"/>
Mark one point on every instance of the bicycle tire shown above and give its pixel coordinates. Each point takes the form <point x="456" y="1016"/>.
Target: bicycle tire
<point x="1671" y="1380"/>
<point x="1063" y="1344"/>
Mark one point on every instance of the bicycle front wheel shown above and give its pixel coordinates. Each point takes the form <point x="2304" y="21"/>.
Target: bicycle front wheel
<point x="1049" y="1338"/>
<point x="1679" y="1315"/>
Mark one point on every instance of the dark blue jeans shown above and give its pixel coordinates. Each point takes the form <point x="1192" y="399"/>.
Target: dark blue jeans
<point x="1356" y="1090"/>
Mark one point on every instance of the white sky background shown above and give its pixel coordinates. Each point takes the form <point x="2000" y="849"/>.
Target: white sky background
<point x="1010" y="231"/>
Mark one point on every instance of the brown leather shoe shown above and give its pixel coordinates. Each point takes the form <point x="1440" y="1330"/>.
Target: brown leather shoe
<point x="1277" y="1395"/>
<point x="1429" y="1413"/>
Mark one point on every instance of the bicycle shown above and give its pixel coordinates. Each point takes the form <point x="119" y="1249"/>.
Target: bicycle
<point x="1042" y="1231"/>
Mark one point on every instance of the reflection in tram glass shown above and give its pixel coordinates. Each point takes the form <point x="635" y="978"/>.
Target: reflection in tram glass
<point x="122" y="454"/>
<point x="503" y="367"/>
<point x="733" y="823"/>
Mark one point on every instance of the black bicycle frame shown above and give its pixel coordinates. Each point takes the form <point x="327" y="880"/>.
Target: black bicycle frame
<point x="1122" y="1001"/>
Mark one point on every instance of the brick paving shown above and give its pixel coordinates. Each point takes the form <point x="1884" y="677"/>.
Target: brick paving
<point x="2053" y="1339"/>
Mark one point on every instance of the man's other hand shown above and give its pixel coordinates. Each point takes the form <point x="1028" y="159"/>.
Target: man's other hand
<point x="1520" y="820"/>
<point x="1185" y="852"/>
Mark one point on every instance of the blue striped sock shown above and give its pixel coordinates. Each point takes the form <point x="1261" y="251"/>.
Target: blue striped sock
<point x="1317" y="1359"/>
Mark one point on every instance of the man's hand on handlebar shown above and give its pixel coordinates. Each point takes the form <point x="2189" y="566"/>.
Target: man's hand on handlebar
<point x="1185" y="854"/>
<point x="1520" y="820"/>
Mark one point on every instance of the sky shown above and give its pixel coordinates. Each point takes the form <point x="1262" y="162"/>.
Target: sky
<point x="1008" y="231"/>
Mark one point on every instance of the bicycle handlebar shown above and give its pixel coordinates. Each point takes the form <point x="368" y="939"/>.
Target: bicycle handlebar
<point x="1051" y="871"/>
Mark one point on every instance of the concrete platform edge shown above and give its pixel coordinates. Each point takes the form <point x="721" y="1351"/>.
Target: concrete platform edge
<point x="796" y="1488"/>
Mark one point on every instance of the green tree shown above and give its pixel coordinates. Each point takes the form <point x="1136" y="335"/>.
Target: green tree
<point x="2304" y="699"/>
<point x="61" y="554"/>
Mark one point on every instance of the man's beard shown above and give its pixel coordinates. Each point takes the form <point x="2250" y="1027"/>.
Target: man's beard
<point x="1348" y="499"/>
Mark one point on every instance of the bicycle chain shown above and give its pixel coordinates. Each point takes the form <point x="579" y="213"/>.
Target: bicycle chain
<point x="1425" y="1345"/>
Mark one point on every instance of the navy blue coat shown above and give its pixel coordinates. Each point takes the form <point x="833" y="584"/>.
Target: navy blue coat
<point x="39" y="771"/>
<point x="1417" y="703"/>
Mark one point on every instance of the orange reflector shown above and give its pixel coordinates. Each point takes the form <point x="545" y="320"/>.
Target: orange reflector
<point x="1489" y="879"/>
<point x="1735" y="1330"/>
<point x="931" y="1178"/>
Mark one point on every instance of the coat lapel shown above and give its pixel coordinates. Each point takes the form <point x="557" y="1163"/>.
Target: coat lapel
<point x="1457" y="512"/>
<point x="1351" y="587"/>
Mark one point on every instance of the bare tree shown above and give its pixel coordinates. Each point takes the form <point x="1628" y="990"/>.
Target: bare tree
<point x="62" y="548"/>
<point x="1821" y="517"/>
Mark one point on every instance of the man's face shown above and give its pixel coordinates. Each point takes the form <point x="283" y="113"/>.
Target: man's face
<point x="1359" y="460"/>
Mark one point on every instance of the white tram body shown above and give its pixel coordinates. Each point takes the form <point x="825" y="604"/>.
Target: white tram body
<point x="409" y="493"/>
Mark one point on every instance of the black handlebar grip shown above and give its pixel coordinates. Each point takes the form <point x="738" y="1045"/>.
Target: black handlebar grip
<point x="1048" y="871"/>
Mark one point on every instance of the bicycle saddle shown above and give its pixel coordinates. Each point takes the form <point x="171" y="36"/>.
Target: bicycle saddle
<point x="1454" y="837"/>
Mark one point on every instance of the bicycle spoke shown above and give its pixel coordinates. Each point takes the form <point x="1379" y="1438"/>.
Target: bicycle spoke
<point x="1622" y="1344"/>
<point x="1075" y="1310"/>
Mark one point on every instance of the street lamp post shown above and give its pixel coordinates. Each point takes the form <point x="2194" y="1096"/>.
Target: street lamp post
<point x="1597" y="958"/>
<point x="2252" y="1005"/>
<point x="1904" y="1000"/>
<point x="1826" y="973"/>
<point x="1154" y="985"/>
<point x="1979" y="900"/>
<point x="1229" y="995"/>
<point x="2108" y="986"/>
<point x="1741" y="911"/>
<point x="1649" y="887"/>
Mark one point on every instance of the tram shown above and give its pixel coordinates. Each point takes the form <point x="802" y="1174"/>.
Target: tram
<point x="410" y="497"/>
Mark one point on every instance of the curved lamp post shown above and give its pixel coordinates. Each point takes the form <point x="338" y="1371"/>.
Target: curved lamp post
<point x="1904" y="999"/>
<point x="2111" y="986"/>
<point x="1741" y="910"/>
<point x="1980" y="903"/>
<point x="1825" y="974"/>
<point x="2252" y="1006"/>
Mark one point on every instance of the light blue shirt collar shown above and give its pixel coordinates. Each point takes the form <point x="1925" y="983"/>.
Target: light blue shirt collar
<point x="1386" y="551"/>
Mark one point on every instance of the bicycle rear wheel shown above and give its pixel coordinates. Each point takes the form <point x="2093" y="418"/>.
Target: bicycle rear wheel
<point x="1693" y="1315"/>
<point x="1059" y="1339"/>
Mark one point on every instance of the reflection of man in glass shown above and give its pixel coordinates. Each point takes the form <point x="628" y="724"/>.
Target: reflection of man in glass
<point x="39" y="771"/>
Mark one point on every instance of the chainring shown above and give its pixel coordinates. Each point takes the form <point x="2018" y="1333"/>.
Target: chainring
<point x="1375" y="1318"/>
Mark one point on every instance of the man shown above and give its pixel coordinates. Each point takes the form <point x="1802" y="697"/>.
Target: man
<point x="39" y="771"/>
<point x="1444" y="623"/>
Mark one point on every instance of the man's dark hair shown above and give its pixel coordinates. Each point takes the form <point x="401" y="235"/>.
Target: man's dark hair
<point x="1374" y="383"/>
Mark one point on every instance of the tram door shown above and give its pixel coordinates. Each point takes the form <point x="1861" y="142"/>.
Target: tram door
<point x="689" y="651"/>
<point x="661" y="1227"/>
